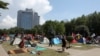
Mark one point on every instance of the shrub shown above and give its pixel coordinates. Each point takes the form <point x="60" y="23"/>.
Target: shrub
<point x="69" y="39"/>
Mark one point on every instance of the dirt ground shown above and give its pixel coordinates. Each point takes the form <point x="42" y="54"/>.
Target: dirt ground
<point x="75" y="52"/>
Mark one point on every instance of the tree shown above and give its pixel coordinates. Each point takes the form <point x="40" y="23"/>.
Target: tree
<point x="60" y="28"/>
<point x="37" y="30"/>
<point x="3" y="5"/>
<point x="69" y="28"/>
<point x="94" y="22"/>
<point x="16" y="30"/>
<point x="83" y="30"/>
<point x="27" y="31"/>
<point x="48" y="26"/>
<point x="1" y="32"/>
<point x="5" y="31"/>
<point x="54" y="26"/>
<point x="80" y="20"/>
<point x="91" y="21"/>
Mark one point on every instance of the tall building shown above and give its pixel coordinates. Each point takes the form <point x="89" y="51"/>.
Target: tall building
<point x="27" y="19"/>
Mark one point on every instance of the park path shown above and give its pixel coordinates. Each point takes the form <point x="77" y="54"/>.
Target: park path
<point x="75" y="52"/>
<point x="2" y="51"/>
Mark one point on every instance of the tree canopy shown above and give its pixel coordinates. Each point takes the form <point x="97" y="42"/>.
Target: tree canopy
<point x="85" y="24"/>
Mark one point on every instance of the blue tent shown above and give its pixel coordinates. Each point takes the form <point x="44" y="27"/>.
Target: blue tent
<point x="80" y="40"/>
<point x="56" y="40"/>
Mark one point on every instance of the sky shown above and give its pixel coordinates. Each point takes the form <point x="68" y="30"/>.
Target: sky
<point x="48" y="10"/>
<point x="69" y="9"/>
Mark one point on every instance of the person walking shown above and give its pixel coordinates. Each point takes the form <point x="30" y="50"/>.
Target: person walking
<point x="64" y="43"/>
<point x="51" y="34"/>
<point x="51" y="41"/>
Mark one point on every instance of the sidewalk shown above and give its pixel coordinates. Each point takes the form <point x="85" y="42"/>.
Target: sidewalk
<point x="2" y="51"/>
<point x="75" y="52"/>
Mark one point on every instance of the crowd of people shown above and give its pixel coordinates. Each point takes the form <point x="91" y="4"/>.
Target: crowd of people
<point x="21" y="39"/>
<point x="4" y="37"/>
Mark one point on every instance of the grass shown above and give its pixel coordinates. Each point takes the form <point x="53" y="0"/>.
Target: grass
<point x="47" y="52"/>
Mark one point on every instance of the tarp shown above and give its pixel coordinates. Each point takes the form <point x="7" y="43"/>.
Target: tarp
<point x="56" y="40"/>
<point x="38" y="48"/>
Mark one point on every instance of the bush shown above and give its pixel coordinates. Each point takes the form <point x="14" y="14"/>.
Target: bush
<point x="69" y="39"/>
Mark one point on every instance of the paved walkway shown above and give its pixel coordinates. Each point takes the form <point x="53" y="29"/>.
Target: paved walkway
<point x="2" y="51"/>
<point x="75" y="52"/>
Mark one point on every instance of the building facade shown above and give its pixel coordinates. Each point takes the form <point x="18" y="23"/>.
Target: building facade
<point x="27" y="19"/>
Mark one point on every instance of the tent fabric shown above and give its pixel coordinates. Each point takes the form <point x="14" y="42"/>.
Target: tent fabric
<point x="45" y="40"/>
<point x="56" y="40"/>
<point x="16" y="41"/>
<point x="74" y="41"/>
<point x="80" y="40"/>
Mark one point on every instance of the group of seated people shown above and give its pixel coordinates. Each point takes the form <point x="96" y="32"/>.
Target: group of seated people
<point x="4" y="37"/>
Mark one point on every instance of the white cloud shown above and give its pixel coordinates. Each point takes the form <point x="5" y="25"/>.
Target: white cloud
<point x="40" y="6"/>
<point x="8" y="22"/>
<point x="42" y="21"/>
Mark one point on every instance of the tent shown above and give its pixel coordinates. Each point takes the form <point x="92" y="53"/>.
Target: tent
<point x="74" y="41"/>
<point x="80" y="40"/>
<point x="56" y="40"/>
<point x="45" y="40"/>
<point x="16" y="41"/>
